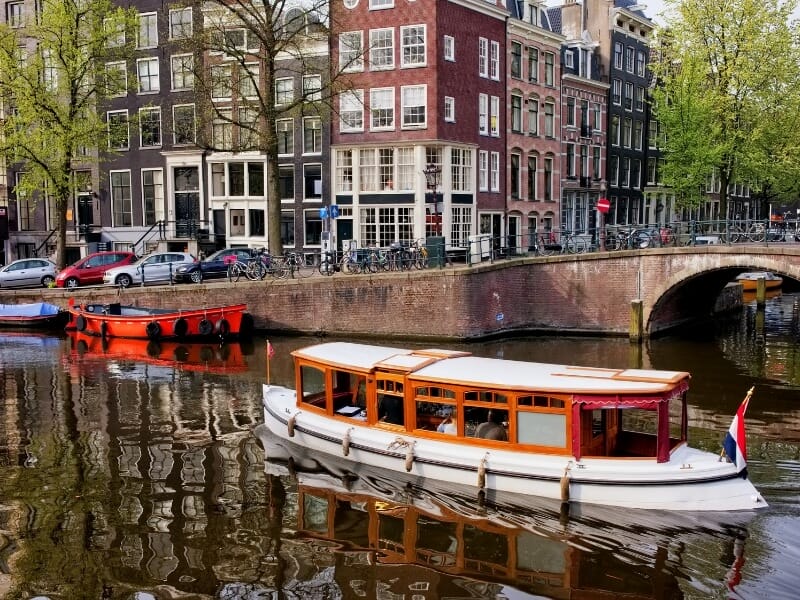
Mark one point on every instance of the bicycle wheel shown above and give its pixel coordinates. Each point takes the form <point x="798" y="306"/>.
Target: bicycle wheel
<point x="326" y="266"/>
<point x="256" y="270"/>
<point x="299" y="266"/>
<point x="279" y="269"/>
<point x="422" y="258"/>
<point x="547" y="247"/>
<point x="575" y="245"/>
<point x="757" y="232"/>
<point x="234" y="272"/>
<point x="350" y="266"/>
<point x="641" y="239"/>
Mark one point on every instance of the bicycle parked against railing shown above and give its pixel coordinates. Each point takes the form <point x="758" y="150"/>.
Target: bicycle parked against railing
<point x="418" y="254"/>
<point x="634" y="238"/>
<point x="295" y="263"/>
<point x="564" y="242"/>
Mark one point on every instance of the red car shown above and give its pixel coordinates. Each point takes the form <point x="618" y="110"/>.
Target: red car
<point x="90" y="269"/>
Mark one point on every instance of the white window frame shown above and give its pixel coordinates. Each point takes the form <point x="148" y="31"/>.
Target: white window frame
<point x="483" y="114"/>
<point x="381" y="54"/>
<point x="449" y="109"/>
<point x="180" y="27"/>
<point x="187" y="75"/>
<point x="494" y="116"/>
<point x="413" y="46"/>
<point x="15" y="14"/>
<point x="317" y="145"/>
<point x="174" y="129"/>
<point x="382" y="99"/>
<point x="312" y="87"/>
<point x="494" y="60"/>
<point x="483" y="57"/>
<point x="249" y="80"/>
<point x="380" y="4"/>
<point x="351" y="51"/>
<point x="148" y="24"/>
<point x="120" y="66"/>
<point x="151" y="110"/>
<point x="222" y="82"/>
<point x="351" y="103"/>
<point x="280" y="126"/>
<point x="483" y="170"/>
<point x="158" y="196"/>
<point x="494" y="171"/>
<point x="281" y="94"/>
<point x="111" y="187"/>
<point x="127" y="125"/>
<point x="449" y="49"/>
<point x="405" y="92"/>
<point x="152" y="76"/>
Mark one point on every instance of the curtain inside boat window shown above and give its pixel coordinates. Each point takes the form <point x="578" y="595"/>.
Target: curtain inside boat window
<point x="312" y="386"/>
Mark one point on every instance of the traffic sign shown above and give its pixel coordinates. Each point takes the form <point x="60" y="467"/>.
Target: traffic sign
<point x="323" y="212"/>
<point x="603" y="205"/>
<point x="334" y="211"/>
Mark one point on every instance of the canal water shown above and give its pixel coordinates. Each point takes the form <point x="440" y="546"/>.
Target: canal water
<point x="132" y="472"/>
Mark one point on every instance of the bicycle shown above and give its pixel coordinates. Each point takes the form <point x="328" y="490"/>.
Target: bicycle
<point x="327" y="264"/>
<point x="250" y="269"/>
<point x="635" y="238"/>
<point x="296" y="263"/>
<point x="418" y="254"/>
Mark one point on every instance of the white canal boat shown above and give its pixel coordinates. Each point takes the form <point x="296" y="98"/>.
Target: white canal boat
<point x="615" y="437"/>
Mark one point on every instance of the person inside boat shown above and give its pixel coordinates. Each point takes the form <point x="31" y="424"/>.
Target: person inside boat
<point x="493" y="428"/>
<point x="448" y="424"/>
<point x="390" y="409"/>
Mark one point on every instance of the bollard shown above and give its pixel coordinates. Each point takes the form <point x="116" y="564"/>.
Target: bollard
<point x="637" y="312"/>
<point x="761" y="291"/>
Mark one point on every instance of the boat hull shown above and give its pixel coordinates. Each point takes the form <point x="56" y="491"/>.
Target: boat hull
<point x="28" y="316"/>
<point x="224" y="322"/>
<point x="691" y="480"/>
<point x="749" y="283"/>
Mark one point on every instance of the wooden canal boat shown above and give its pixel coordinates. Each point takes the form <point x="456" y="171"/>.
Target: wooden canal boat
<point x="36" y="315"/>
<point x="117" y="320"/>
<point x="749" y="280"/>
<point x="613" y="437"/>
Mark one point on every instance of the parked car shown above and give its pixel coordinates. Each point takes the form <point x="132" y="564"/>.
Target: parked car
<point x="153" y="268"/>
<point x="214" y="266"/>
<point x="28" y="272"/>
<point x="90" y="269"/>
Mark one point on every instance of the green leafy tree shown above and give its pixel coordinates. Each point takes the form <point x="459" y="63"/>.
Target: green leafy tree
<point x="727" y="95"/>
<point x="244" y="48"/>
<point x="52" y="80"/>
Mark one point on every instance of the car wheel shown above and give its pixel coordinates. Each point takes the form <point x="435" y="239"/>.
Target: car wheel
<point x="196" y="276"/>
<point x="48" y="281"/>
<point x="124" y="280"/>
<point x="72" y="282"/>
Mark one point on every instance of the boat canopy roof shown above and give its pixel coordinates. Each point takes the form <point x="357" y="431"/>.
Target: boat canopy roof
<point x="757" y="275"/>
<point x="35" y="309"/>
<point x="455" y="367"/>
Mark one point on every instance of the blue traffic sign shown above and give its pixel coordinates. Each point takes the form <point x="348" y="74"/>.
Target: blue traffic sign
<point x="334" y="211"/>
<point x="323" y="212"/>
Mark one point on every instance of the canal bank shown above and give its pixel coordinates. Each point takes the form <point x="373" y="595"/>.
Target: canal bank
<point x="555" y="296"/>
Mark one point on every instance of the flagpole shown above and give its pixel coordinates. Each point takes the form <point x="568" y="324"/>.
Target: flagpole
<point x="745" y="403"/>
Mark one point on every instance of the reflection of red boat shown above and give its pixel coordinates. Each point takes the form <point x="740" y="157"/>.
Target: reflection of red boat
<point x="209" y="358"/>
<point x="116" y="320"/>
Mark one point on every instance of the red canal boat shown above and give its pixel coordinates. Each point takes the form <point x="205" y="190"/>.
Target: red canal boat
<point x="137" y="322"/>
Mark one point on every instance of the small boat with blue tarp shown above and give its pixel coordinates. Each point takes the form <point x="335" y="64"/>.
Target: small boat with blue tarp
<point x="35" y="315"/>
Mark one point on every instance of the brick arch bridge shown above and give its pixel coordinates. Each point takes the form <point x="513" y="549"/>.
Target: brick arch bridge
<point x="582" y="294"/>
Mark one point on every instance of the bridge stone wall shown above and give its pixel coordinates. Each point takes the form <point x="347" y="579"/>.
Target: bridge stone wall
<point x="586" y="294"/>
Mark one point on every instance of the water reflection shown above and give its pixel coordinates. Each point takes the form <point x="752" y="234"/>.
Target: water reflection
<point x="124" y="472"/>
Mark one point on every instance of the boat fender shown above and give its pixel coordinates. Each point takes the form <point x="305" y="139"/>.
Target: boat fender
<point x="346" y="442"/>
<point x="290" y="425"/>
<point x="205" y="327"/>
<point x="180" y="327"/>
<point x="565" y="485"/>
<point x="291" y="468"/>
<point x="482" y="472"/>
<point x="409" y="457"/>
<point x="153" y="330"/>
<point x="223" y="328"/>
<point x="103" y="329"/>
<point x="80" y="323"/>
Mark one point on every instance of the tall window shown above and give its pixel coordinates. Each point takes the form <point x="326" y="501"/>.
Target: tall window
<point x="381" y="49"/>
<point x="381" y="101"/>
<point x="483" y="114"/>
<point x="147" y="69"/>
<point x="248" y="80"/>
<point x="549" y="68"/>
<point x="222" y="130"/>
<point x="641" y="60"/>
<point x="414" y="105"/>
<point x="570" y="110"/>
<point x="449" y="109"/>
<point x="351" y="51"/>
<point x="494" y="171"/>
<point x="312" y="135"/>
<point x="150" y="126"/>
<point x="548" y="179"/>
<point x="222" y="82"/>
<point x="152" y="195"/>
<point x="461" y="225"/>
<point x="596" y="163"/>
<point x="494" y="60"/>
<point x="449" y="48"/>
<point x="312" y="182"/>
<point x="533" y="64"/>
<point x="616" y="92"/>
<point x="533" y="115"/>
<point x="516" y="113"/>
<point x="412" y="46"/>
<point x="118" y="131"/>
<point x="629" y="58"/>
<point x="285" y="130"/>
<point x="619" y="51"/>
<point x="570" y="160"/>
<point x="532" y="177"/>
<point x="549" y="119"/>
<point x="180" y="23"/>
<point x="121" y="204"/>
<point x="351" y="111"/>
<point x="483" y="57"/>
<point x="148" y="31"/>
<point x="515" y="175"/>
<point x="312" y="87"/>
<point x="344" y="170"/>
<point x="284" y="90"/>
<point x="483" y="170"/>
<point x="117" y="78"/>
<point x="183" y="124"/>
<point x="494" y="116"/>
<point x="15" y="14"/>
<point x="182" y="72"/>
<point x="461" y="171"/>
<point x="516" y="60"/>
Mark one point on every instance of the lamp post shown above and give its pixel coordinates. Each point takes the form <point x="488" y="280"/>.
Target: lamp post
<point x="433" y="175"/>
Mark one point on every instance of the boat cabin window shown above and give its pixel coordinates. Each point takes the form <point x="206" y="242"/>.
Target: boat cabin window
<point x="486" y="423"/>
<point x="390" y="401"/>
<point x="541" y="402"/>
<point x="485" y="396"/>
<point x="436" y="409"/>
<point x="312" y="386"/>
<point x="542" y="420"/>
<point x="349" y="393"/>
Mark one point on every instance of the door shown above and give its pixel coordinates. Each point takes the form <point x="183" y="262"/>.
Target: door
<point x="344" y="233"/>
<point x="514" y="237"/>
<point x="152" y="269"/>
<point x="187" y="201"/>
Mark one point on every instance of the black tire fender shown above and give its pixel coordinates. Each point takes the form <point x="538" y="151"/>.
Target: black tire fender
<point x="205" y="327"/>
<point x="223" y="328"/>
<point x="180" y="327"/>
<point x="80" y="323"/>
<point x="153" y="330"/>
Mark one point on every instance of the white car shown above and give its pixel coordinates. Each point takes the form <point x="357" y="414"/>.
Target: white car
<point x="153" y="268"/>
<point x="28" y="272"/>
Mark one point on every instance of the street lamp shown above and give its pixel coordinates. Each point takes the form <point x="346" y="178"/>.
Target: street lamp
<point x="433" y="177"/>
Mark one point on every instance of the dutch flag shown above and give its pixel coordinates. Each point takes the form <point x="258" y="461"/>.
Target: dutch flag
<point x="735" y="444"/>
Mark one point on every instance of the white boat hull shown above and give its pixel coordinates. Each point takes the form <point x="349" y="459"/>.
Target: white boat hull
<point x="692" y="480"/>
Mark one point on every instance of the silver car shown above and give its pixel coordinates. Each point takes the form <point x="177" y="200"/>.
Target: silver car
<point x="153" y="268"/>
<point x="28" y="272"/>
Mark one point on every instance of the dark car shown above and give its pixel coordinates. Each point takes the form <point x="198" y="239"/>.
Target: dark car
<point x="214" y="266"/>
